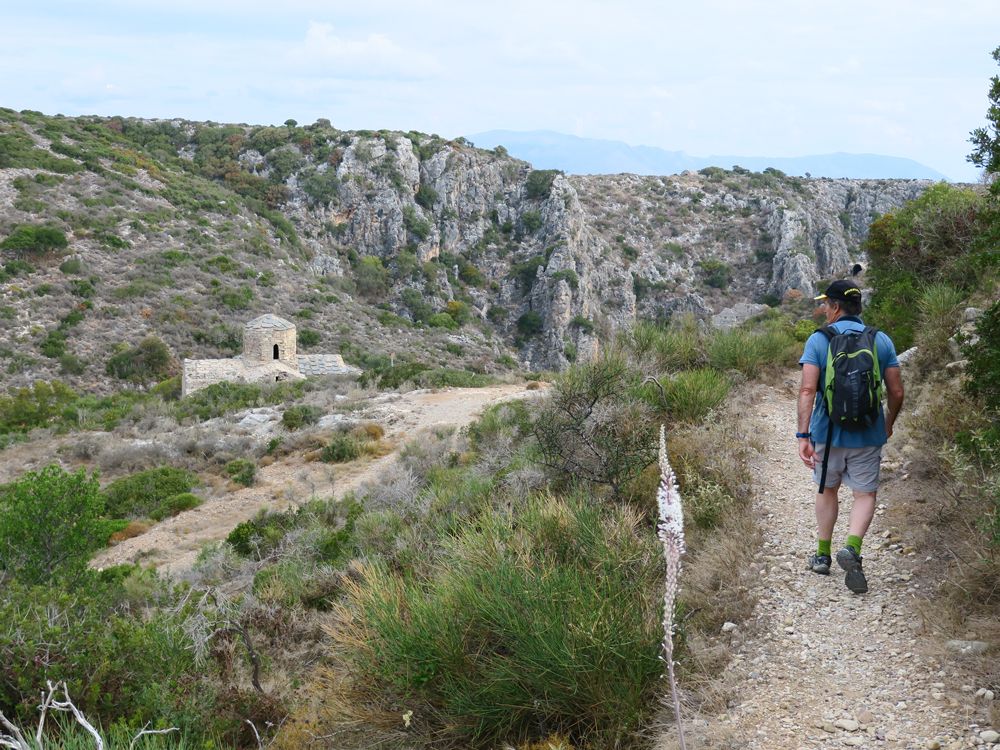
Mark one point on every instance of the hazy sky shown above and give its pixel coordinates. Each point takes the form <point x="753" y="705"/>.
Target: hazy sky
<point x="707" y="77"/>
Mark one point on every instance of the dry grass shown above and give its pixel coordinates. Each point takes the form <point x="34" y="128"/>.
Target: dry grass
<point x="134" y="529"/>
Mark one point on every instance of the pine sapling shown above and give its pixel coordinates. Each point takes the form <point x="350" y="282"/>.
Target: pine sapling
<point x="670" y="529"/>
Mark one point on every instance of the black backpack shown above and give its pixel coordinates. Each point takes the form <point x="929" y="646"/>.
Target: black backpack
<point x="852" y="383"/>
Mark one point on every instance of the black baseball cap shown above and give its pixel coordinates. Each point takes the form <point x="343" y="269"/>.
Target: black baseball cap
<point x="842" y="290"/>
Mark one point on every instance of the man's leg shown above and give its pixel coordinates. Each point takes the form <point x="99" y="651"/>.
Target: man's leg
<point x="862" y="477"/>
<point x="827" y="508"/>
<point x="862" y="512"/>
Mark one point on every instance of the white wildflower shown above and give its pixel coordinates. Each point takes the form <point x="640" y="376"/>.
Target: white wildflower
<point x="671" y="532"/>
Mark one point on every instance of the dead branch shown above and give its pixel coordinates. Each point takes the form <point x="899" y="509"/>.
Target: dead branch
<point x="143" y="732"/>
<point x="69" y="707"/>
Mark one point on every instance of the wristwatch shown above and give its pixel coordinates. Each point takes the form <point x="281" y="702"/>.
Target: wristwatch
<point x="803" y="434"/>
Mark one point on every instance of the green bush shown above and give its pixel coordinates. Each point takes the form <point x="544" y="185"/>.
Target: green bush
<point x="509" y="635"/>
<point x="50" y="524"/>
<point x="716" y="273"/>
<point x="530" y="324"/>
<point x="295" y="417"/>
<point x="804" y="329"/>
<point x="940" y="314"/>
<point x="149" y="360"/>
<point x="54" y="344"/>
<point x="445" y="377"/>
<point x="595" y="425"/>
<point x="257" y="537"/>
<point x="371" y="278"/>
<point x="307" y="337"/>
<point x="569" y="276"/>
<point x="175" y="504"/>
<point x="141" y="494"/>
<point x="40" y="405"/>
<point x="442" y="320"/>
<point x="242" y="471"/>
<point x="219" y="399"/>
<point x="751" y="352"/>
<point x="539" y="183"/>
<point x="983" y="370"/>
<point x="532" y="221"/>
<point x="942" y="236"/>
<point x="679" y="346"/>
<point x="415" y="224"/>
<point x="28" y="239"/>
<point x="691" y="394"/>
<point x="426" y="196"/>
<point x="340" y="449"/>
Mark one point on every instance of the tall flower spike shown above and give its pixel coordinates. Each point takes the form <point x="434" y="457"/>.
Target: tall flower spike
<point x="670" y="529"/>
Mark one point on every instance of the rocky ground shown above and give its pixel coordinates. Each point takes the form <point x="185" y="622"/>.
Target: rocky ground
<point x="816" y="666"/>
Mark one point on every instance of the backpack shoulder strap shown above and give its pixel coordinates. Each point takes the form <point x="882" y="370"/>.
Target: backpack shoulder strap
<point x="827" y="331"/>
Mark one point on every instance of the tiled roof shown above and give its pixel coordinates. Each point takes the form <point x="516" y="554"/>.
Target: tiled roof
<point x="270" y="322"/>
<point x="322" y="364"/>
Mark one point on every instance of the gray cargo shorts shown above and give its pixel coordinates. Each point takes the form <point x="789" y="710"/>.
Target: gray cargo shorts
<point x="858" y="468"/>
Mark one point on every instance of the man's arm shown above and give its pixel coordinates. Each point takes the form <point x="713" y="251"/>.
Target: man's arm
<point x="894" y="392"/>
<point x="804" y="409"/>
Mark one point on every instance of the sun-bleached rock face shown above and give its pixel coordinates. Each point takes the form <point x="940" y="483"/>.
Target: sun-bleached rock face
<point x="589" y="255"/>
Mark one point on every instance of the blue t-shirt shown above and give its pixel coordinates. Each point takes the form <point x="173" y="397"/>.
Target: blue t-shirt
<point x="815" y="354"/>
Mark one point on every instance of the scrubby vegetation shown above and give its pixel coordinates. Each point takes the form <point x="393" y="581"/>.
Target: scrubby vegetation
<point x="937" y="279"/>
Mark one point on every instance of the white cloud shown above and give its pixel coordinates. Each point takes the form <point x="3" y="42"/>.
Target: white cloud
<point x="373" y="55"/>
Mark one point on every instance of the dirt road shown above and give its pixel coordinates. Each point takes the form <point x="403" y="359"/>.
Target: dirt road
<point x="173" y="545"/>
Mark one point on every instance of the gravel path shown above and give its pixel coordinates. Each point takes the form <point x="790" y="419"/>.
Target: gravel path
<point x="817" y="666"/>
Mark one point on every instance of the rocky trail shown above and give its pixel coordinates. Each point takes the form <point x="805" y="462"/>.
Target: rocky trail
<point x="172" y="546"/>
<point x="817" y="666"/>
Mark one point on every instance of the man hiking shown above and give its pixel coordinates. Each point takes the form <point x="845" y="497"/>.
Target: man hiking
<point x="851" y="386"/>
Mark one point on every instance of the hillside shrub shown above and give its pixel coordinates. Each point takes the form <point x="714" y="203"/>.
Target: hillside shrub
<point x="450" y="378"/>
<point x="148" y="360"/>
<point x="509" y="636"/>
<point x="937" y="238"/>
<point x="307" y="337"/>
<point x="595" y="427"/>
<point x="300" y="415"/>
<point x="140" y="495"/>
<point x="39" y="405"/>
<point x="340" y="449"/>
<point x="530" y="324"/>
<point x="219" y="399"/>
<point x="426" y="196"/>
<point x="30" y="239"/>
<point x="569" y="276"/>
<point x="175" y="504"/>
<point x="531" y="221"/>
<point x="691" y="394"/>
<point x="983" y="369"/>
<point x="442" y="320"/>
<point x="242" y="471"/>
<point x="716" y="273"/>
<point x="50" y="524"/>
<point x="539" y="183"/>
<point x="371" y="278"/>
<point x="415" y="224"/>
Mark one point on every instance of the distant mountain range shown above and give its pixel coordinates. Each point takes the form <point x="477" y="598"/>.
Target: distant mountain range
<point x="546" y="149"/>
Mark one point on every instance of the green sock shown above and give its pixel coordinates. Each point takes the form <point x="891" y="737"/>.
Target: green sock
<point x="824" y="547"/>
<point x="854" y="542"/>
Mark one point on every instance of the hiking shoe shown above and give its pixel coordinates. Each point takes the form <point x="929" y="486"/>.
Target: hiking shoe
<point x="820" y="564"/>
<point x="850" y="561"/>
